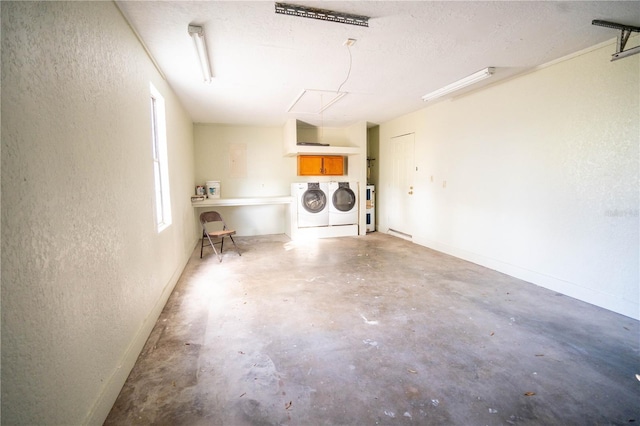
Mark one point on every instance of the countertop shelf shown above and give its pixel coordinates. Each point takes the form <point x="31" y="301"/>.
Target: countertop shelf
<point x="244" y="201"/>
<point x="323" y="150"/>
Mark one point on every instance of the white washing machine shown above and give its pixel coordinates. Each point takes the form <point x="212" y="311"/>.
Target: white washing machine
<point x="312" y="203"/>
<point x="343" y="203"/>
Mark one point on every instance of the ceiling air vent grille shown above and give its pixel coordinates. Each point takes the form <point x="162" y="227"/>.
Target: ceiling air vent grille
<point x="322" y="14"/>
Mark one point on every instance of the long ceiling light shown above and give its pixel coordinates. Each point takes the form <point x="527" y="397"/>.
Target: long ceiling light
<point x="467" y="81"/>
<point x="197" y="34"/>
<point x="322" y="14"/>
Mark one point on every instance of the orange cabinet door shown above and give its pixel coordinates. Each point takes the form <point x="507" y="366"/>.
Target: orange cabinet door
<point x="319" y="165"/>
<point x="333" y="166"/>
<point x="309" y="165"/>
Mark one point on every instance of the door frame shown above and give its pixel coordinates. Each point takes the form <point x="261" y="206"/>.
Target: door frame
<point x="401" y="192"/>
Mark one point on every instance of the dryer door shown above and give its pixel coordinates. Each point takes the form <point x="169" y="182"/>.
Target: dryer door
<point x="343" y="198"/>
<point x="314" y="199"/>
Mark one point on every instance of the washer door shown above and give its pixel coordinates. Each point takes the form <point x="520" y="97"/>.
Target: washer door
<point x="344" y="199"/>
<point x="314" y="200"/>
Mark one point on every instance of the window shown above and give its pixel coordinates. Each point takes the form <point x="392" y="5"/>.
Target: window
<point x="160" y="166"/>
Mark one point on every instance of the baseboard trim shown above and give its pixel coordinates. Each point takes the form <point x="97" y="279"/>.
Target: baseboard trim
<point x="399" y="234"/>
<point x="602" y="300"/>
<point x="114" y="384"/>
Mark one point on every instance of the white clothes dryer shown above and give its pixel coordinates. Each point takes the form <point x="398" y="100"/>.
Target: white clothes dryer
<point x="312" y="203"/>
<point x="343" y="204"/>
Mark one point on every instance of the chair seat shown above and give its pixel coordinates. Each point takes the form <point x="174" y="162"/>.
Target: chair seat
<point x="222" y="233"/>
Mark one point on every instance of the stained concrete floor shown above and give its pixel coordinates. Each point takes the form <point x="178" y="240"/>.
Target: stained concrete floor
<point x="375" y="330"/>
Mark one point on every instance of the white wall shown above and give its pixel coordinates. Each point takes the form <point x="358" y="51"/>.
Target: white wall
<point x="84" y="272"/>
<point x="268" y="173"/>
<point x="542" y="178"/>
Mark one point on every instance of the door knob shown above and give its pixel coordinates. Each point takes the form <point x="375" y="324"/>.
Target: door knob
<point x="410" y="192"/>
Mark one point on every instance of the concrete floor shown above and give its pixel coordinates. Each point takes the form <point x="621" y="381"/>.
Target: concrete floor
<point x="376" y="330"/>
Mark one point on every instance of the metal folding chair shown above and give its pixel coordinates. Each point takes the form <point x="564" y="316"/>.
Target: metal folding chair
<point x="213" y="227"/>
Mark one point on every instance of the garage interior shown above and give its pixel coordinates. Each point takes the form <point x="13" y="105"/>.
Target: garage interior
<point x="375" y="330"/>
<point x="501" y="284"/>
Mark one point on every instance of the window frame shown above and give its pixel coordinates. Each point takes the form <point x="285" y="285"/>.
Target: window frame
<point x="159" y="157"/>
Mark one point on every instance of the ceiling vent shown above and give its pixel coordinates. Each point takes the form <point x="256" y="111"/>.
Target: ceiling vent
<point x="322" y="14"/>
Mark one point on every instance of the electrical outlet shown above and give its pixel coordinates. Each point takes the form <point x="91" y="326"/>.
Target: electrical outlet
<point x="444" y="183"/>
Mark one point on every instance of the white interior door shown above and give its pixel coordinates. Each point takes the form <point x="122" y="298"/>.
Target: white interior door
<point x="401" y="185"/>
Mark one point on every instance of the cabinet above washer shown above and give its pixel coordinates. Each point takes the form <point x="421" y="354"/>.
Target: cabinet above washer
<point x="318" y="165"/>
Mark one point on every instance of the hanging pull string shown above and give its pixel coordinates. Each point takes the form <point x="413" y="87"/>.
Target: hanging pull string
<point x="321" y="139"/>
<point x="348" y="72"/>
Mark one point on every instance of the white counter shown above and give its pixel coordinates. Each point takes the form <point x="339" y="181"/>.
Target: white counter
<point x="244" y="201"/>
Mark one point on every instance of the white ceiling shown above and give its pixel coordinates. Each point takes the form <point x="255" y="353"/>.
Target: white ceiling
<point x="262" y="61"/>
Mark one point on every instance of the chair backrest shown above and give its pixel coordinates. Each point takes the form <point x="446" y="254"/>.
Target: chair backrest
<point x="211" y="217"/>
<point x="207" y="217"/>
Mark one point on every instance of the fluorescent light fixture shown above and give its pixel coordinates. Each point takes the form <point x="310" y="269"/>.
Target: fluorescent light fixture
<point x="467" y="81"/>
<point x="197" y="34"/>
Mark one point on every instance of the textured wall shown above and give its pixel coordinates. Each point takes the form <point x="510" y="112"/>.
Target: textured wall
<point x="268" y="173"/>
<point x="541" y="177"/>
<point x="84" y="272"/>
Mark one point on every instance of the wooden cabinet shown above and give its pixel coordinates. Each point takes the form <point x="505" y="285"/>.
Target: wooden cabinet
<point x="333" y="165"/>
<point x="320" y="165"/>
<point x="310" y="165"/>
